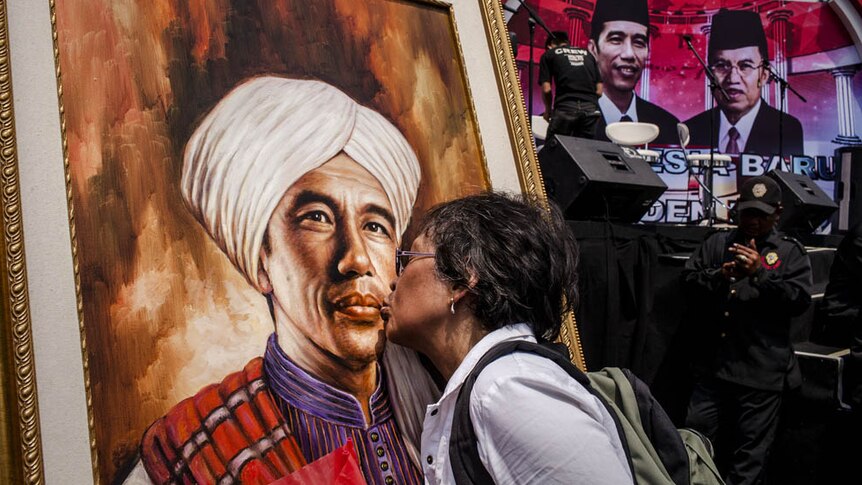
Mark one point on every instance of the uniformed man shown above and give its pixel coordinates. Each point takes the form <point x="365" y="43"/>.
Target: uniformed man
<point x="571" y="108"/>
<point x="747" y="284"/>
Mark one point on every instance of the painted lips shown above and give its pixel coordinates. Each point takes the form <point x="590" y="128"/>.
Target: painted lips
<point x="358" y="306"/>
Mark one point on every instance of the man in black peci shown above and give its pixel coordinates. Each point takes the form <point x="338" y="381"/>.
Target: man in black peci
<point x="620" y="42"/>
<point x="743" y="122"/>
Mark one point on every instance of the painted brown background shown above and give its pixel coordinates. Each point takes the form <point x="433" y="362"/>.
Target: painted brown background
<point x="164" y="312"/>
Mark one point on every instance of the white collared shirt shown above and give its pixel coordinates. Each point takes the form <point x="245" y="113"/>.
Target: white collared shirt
<point x="612" y="114"/>
<point x="533" y="422"/>
<point x="743" y="126"/>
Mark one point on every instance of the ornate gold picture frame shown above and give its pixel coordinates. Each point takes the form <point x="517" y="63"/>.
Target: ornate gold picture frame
<point x="37" y="319"/>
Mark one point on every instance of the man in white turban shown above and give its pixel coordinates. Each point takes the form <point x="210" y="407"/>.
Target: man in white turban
<point x="307" y="193"/>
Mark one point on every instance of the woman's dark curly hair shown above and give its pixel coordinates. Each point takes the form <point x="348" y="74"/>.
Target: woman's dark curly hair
<point x="522" y="256"/>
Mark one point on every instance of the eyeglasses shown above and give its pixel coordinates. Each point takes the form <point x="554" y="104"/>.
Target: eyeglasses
<point x="723" y="68"/>
<point x="403" y="258"/>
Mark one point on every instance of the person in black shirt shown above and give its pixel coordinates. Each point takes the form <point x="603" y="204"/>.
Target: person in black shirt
<point x="577" y="87"/>
<point x="842" y="311"/>
<point x="747" y="284"/>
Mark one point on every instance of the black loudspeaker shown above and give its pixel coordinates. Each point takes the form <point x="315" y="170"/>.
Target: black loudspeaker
<point x="806" y="205"/>
<point x="591" y="179"/>
<point x="848" y="184"/>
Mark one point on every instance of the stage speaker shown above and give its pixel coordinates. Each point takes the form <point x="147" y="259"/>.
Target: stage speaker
<point x="848" y="184"/>
<point x="591" y="179"/>
<point x="806" y="205"/>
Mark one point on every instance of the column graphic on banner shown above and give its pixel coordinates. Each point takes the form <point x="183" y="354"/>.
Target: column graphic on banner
<point x="707" y="94"/>
<point x="644" y="83"/>
<point x="576" y="17"/>
<point x="644" y="86"/>
<point x="778" y="20"/>
<point x="844" y="94"/>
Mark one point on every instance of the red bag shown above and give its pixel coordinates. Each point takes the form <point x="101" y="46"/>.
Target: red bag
<point x="340" y="467"/>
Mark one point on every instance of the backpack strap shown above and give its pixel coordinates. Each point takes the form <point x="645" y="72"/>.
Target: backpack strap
<point x="467" y="466"/>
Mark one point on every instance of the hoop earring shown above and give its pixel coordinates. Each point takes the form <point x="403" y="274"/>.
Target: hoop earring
<point x="452" y="305"/>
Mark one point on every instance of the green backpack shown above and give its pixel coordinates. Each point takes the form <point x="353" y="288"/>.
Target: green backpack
<point x="616" y="388"/>
<point x="657" y="452"/>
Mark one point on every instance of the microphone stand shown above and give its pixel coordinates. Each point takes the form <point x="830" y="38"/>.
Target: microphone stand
<point x="534" y="19"/>
<point x="709" y="208"/>
<point x="784" y="85"/>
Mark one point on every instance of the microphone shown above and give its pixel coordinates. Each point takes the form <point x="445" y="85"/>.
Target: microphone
<point x="686" y="37"/>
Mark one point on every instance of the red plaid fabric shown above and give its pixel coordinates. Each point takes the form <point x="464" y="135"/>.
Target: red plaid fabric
<point x="227" y="433"/>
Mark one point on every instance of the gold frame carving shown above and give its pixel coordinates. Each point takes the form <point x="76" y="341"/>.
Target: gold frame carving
<point x="79" y="303"/>
<point x="520" y="133"/>
<point x="20" y="443"/>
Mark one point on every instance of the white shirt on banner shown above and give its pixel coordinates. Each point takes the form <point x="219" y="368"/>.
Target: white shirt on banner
<point x="533" y="421"/>
<point x="612" y="114"/>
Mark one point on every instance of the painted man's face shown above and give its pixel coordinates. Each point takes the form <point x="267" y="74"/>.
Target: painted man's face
<point x="621" y="53"/>
<point x="328" y="261"/>
<point x="740" y="73"/>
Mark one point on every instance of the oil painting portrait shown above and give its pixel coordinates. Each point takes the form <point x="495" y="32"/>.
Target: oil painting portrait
<point x="241" y="175"/>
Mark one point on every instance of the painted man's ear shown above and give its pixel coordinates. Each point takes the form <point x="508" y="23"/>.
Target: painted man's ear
<point x="262" y="275"/>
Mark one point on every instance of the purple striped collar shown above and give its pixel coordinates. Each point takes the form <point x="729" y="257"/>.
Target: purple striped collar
<point x="302" y="390"/>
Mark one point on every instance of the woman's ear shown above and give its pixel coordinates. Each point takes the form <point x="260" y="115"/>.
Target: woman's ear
<point x="459" y="291"/>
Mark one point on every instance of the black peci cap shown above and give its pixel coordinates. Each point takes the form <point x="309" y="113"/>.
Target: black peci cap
<point x="734" y="29"/>
<point x="761" y="193"/>
<point x="610" y="10"/>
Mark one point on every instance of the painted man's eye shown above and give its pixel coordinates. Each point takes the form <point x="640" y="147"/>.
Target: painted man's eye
<point x="317" y="216"/>
<point x="377" y="227"/>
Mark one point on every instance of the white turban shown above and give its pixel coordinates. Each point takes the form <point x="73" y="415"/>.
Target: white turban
<point x="266" y="134"/>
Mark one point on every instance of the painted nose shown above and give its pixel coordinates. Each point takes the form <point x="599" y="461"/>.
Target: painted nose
<point x="355" y="259"/>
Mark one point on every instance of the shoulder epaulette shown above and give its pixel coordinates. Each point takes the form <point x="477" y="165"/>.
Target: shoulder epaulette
<point x="796" y="242"/>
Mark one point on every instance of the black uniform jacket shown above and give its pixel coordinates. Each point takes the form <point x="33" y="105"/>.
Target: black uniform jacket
<point x="745" y="325"/>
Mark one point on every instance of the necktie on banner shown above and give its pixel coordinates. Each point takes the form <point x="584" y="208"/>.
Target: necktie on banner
<point x="733" y="144"/>
<point x="340" y="467"/>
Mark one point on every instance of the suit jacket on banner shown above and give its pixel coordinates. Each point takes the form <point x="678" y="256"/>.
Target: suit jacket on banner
<point x="649" y="113"/>
<point x="763" y="139"/>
